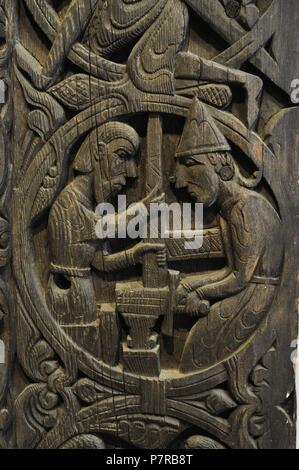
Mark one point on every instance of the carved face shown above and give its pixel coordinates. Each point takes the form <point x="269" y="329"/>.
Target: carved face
<point x="117" y="166"/>
<point x="199" y="178"/>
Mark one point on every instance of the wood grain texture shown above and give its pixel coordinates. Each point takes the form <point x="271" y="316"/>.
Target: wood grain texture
<point x="118" y="342"/>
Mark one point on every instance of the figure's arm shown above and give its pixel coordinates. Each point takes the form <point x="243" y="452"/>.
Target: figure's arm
<point x="232" y="284"/>
<point x="191" y="283"/>
<point x="247" y="248"/>
<point x="141" y="208"/>
<point x="123" y="219"/>
<point x="126" y="258"/>
<point x="100" y="227"/>
<point x="191" y="67"/>
<point x="113" y="262"/>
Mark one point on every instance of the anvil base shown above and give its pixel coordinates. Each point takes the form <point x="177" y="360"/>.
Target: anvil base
<point x="142" y="361"/>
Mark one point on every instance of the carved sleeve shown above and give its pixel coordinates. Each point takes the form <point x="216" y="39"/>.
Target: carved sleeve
<point x="248" y="249"/>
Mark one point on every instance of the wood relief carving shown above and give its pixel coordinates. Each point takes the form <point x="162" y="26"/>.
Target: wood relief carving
<point x="145" y="343"/>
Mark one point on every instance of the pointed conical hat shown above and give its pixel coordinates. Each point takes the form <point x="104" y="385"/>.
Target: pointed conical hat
<point x="200" y="135"/>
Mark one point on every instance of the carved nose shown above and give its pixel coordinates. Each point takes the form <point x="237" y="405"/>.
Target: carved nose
<point x="174" y="181"/>
<point x="179" y="180"/>
<point x="180" y="184"/>
<point x="131" y="169"/>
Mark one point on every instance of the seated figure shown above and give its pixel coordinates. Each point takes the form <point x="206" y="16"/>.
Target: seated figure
<point x="103" y="164"/>
<point x="242" y="293"/>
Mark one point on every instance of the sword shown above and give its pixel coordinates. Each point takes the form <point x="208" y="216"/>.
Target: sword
<point x="154" y="276"/>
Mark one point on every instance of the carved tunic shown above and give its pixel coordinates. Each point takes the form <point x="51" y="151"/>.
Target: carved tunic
<point x="249" y="290"/>
<point x="72" y="226"/>
<point x="73" y="246"/>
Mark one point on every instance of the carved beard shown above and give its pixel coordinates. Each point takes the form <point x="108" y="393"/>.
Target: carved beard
<point x="201" y="196"/>
<point x="109" y="188"/>
<point x="203" y="186"/>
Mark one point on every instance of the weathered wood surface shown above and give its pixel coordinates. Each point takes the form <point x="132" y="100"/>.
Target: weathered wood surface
<point x="121" y="343"/>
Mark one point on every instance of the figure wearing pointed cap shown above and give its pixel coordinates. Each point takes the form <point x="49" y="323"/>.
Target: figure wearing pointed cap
<point x="241" y="294"/>
<point x="200" y="136"/>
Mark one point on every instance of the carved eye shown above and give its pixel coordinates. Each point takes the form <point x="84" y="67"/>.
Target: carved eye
<point x="188" y="162"/>
<point x="191" y="162"/>
<point x="4" y="240"/>
<point x="122" y="154"/>
<point x="118" y="162"/>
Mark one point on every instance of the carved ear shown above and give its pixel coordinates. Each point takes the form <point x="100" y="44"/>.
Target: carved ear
<point x="89" y="154"/>
<point x="99" y="149"/>
<point x="99" y="155"/>
<point x="224" y="166"/>
<point x="227" y="173"/>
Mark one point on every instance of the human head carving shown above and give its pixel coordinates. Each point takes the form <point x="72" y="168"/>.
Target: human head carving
<point x="204" y="159"/>
<point x="96" y="143"/>
<point x="108" y="152"/>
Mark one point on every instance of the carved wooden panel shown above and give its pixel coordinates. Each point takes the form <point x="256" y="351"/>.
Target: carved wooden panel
<point x="121" y="343"/>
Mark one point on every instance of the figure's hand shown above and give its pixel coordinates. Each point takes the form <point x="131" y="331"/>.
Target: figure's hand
<point x="136" y="208"/>
<point x="154" y="197"/>
<point x="143" y="207"/>
<point x="192" y="303"/>
<point x="162" y="257"/>
<point x="196" y="306"/>
<point x="142" y="248"/>
<point x="181" y="294"/>
<point x="159" y="199"/>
